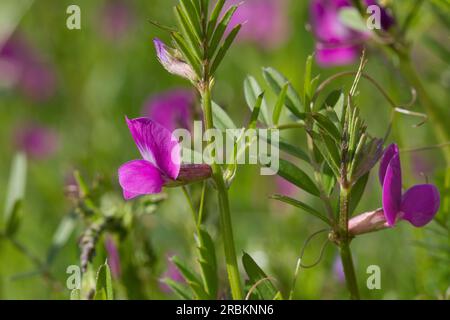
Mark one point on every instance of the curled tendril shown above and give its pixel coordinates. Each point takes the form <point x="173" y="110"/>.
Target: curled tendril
<point x="302" y="253"/>
<point x="402" y="108"/>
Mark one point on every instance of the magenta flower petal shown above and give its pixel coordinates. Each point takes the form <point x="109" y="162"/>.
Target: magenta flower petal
<point x="420" y="204"/>
<point x="392" y="190"/>
<point x="336" y="56"/>
<point x="157" y="145"/>
<point x="389" y="153"/>
<point x="139" y="177"/>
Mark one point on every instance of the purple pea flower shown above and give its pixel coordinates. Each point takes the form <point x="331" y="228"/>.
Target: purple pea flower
<point x="37" y="141"/>
<point x="171" y="109"/>
<point x="22" y="67"/>
<point x="161" y="163"/>
<point x="338" y="44"/>
<point x="161" y="159"/>
<point x="171" y="60"/>
<point x="418" y="205"/>
<point x="113" y="257"/>
<point x="264" y="21"/>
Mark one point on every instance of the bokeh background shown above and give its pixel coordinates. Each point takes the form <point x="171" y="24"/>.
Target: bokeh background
<point x="63" y="98"/>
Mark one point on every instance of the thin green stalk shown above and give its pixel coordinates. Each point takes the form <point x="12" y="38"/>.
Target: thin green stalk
<point x="344" y="246"/>
<point x="225" y="216"/>
<point x="436" y="116"/>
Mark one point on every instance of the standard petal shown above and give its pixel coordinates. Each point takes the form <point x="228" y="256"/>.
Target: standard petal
<point x="420" y="204"/>
<point x="139" y="177"/>
<point x="392" y="190"/>
<point x="157" y="145"/>
<point x="389" y="153"/>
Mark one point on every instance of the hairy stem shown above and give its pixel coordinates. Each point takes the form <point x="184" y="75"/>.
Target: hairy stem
<point x="224" y="206"/>
<point x="344" y="246"/>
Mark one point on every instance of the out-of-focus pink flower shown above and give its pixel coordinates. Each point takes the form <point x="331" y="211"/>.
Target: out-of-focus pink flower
<point x="337" y="44"/>
<point x="338" y="270"/>
<point x="171" y="273"/>
<point x="116" y="19"/>
<point x="113" y="257"/>
<point x="265" y="21"/>
<point x="35" y="140"/>
<point x="172" y="109"/>
<point x="22" y="67"/>
<point x="285" y="188"/>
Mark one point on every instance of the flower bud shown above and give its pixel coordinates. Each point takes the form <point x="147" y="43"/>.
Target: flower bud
<point x="367" y="222"/>
<point x="171" y="61"/>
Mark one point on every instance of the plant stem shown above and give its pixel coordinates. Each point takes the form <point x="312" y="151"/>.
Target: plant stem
<point x="344" y="246"/>
<point x="225" y="216"/>
<point x="437" y="118"/>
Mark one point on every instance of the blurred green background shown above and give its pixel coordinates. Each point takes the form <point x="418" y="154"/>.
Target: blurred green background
<point x="100" y="77"/>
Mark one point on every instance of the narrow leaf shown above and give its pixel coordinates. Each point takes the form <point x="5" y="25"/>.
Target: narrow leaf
<point x="303" y="206"/>
<point x="103" y="286"/>
<point x="295" y="175"/>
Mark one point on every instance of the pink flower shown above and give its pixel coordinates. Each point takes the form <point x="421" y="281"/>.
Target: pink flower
<point x="116" y="19"/>
<point x="336" y="43"/>
<point x="22" y="67"/>
<point x="171" y="273"/>
<point x="171" y="109"/>
<point x="418" y="205"/>
<point x="35" y="140"/>
<point x="161" y="163"/>
<point x="113" y="257"/>
<point x="264" y="21"/>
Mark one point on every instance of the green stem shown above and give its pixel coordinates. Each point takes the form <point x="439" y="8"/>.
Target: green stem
<point x="437" y="118"/>
<point x="225" y="216"/>
<point x="344" y="246"/>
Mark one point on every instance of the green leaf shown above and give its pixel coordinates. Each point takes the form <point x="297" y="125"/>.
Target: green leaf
<point x="14" y="220"/>
<point x="16" y="187"/>
<point x="279" y="105"/>
<point x="224" y="49"/>
<point x="357" y="192"/>
<point x="189" y="34"/>
<point x="256" y="112"/>
<point x="328" y="126"/>
<point x="333" y="100"/>
<point x="214" y="17"/>
<point x="208" y="263"/>
<point x="298" y="177"/>
<point x="103" y="286"/>
<point x="303" y="206"/>
<point x="308" y="85"/>
<point x="351" y="18"/>
<point x="179" y="289"/>
<point x="277" y="81"/>
<point x="192" y="15"/>
<point x="252" y="91"/>
<point x="220" y="31"/>
<point x="222" y="120"/>
<point x="328" y="178"/>
<point x="191" y="279"/>
<point x="257" y="276"/>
